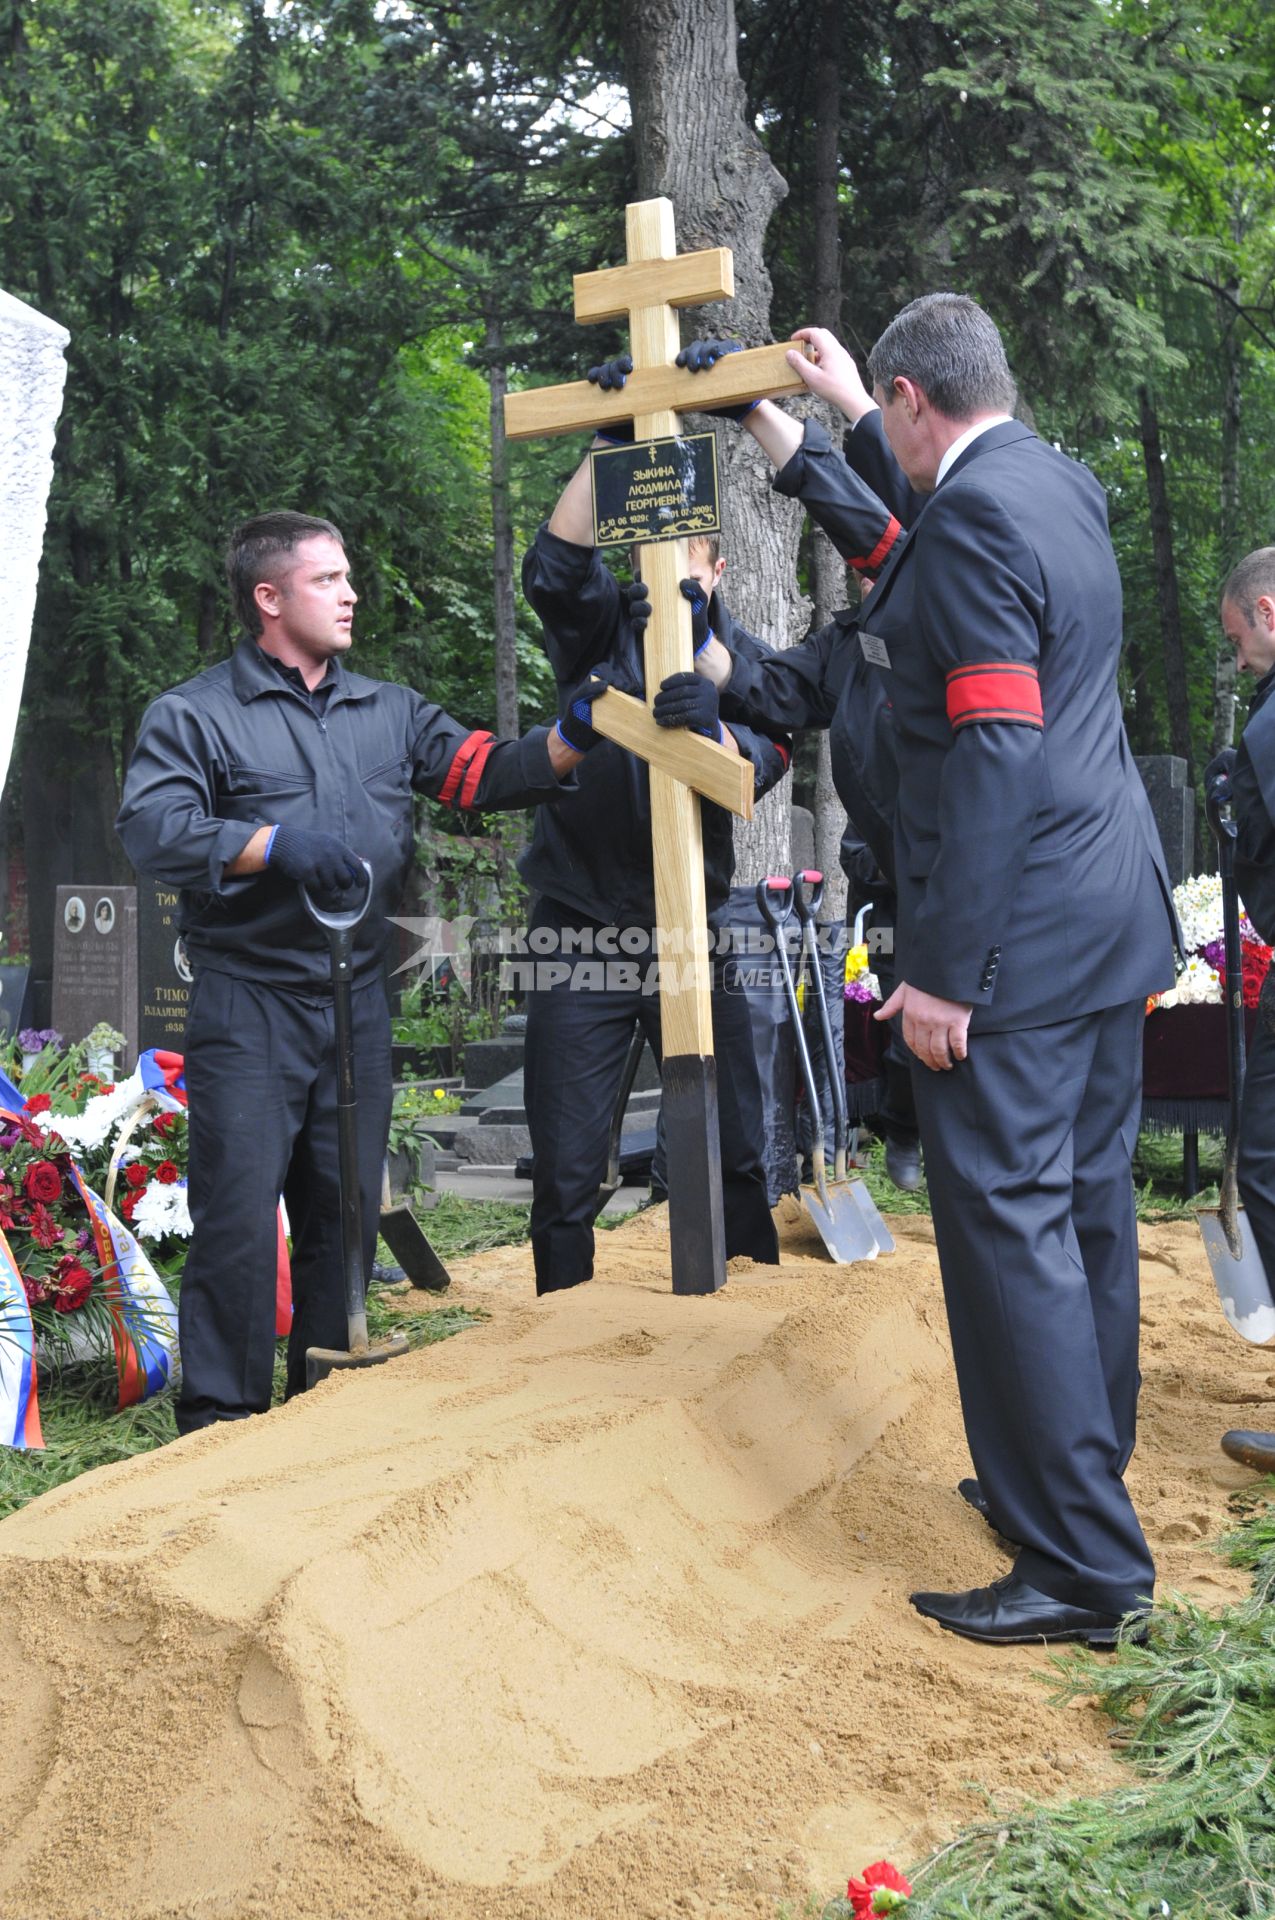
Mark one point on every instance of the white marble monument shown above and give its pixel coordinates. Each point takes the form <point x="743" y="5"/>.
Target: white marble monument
<point x="32" y="376"/>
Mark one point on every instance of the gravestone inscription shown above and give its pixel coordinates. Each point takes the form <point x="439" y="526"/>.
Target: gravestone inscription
<point x="95" y="962"/>
<point x="163" y="973"/>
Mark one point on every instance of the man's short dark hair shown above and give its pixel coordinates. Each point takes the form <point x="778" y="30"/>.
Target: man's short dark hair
<point x="711" y="543"/>
<point x="1251" y="579"/>
<point x="952" y="350"/>
<point x="255" y="547"/>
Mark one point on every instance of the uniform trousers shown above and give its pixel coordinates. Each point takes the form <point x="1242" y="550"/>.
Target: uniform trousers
<point x="261" y="1080"/>
<point x="581" y="1013"/>
<point x="1255" y="1166"/>
<point x="1028" y="1153"/>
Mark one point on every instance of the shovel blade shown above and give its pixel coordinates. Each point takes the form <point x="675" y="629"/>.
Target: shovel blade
<point x="408" y="1242"/>
<point x="842" y="1227"/>
<point x="872" y="1214"/>
<point x="321" y="1361"/>
<point x="1242" y="1285"/>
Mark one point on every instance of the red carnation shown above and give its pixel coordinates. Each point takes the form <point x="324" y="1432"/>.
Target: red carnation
<point x="167" y="1173"/>
<point x="39" y="1103"/>
<point x="45" y="1230"/>
<point x="42" y="1181"/>
<point x="164" y="1122"/>
<point x="75" y="1284"/>
<point x="137" y="1175"/>
<point x="128" y="1205"/>
<point x="883" y="1879"/>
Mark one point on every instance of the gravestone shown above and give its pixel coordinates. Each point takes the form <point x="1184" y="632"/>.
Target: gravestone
<point x="1173" y="804"/>
<point x="95" y="962"/>
<point x="13" y="998"/>
<point x="163" y="972"/>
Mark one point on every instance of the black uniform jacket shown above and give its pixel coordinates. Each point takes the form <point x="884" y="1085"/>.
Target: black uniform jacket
<point x="825" y="681"/>
<point x="238" y="748"/>
<point x="591" y="847"/>
<point x="1030" y="877"/>
<point x="1253" y="784"/>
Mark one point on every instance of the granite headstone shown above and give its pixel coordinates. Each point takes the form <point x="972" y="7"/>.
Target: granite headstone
<point x="163" y="973"/>
<point x="1173" y="804"/>
<point x="95" y="962"/>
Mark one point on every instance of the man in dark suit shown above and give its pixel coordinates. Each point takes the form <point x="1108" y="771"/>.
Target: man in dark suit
<point x="1035" y="916"/>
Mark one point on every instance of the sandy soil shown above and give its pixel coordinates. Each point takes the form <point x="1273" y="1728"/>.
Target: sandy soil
<point x="600" y="1607"/>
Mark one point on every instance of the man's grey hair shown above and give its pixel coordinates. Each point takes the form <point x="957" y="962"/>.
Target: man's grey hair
<point x="1252" y="578"/>
<point x="952" y="350"/>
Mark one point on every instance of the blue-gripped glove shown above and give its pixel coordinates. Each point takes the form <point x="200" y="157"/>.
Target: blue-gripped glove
<point x="703" y="354"/>
<point x="638" y="603"/>
<point x="701" y="632"/>
<point x="611" y="375"/>
<point x="316" y="860"/>
<point x="1217" y="777"/>
<point x="573" y="726"/>
<point x="688" y="700"/>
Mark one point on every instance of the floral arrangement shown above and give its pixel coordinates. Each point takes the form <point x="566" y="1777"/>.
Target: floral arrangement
<point x="861" y="982"/>
<point x="92" y="1117"/>
<point x="44" y="1218"/>
<point x="33" y="1040"/>
<point x="1199" y="906"/>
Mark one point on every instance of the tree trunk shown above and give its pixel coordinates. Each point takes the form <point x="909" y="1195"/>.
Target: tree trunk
<point x="506" y="632"/>
<point x="695" y="146"/>
<point x="1224" y="659"/>
<point x="828" y="570"/>
<point x="1166" y="576"/>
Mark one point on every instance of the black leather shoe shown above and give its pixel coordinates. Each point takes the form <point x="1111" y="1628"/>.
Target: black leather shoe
<point x="973" y="1496"/>
<point x="1009" y="1613"/>
<point x="903" y="1164"/>
<point x="1256" y="1450"/>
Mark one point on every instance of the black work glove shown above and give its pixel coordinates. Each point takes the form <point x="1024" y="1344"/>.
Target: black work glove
<point x="703" y="354"/>
<point x="574" y="726"/>
<point x="701" y="632"/>
<point x="688" y="700"/>
<point x="611" y="375"/>
<point x="637" y="598"/>
<point x="1217" y="777"/>
<point x="316" y="860"/>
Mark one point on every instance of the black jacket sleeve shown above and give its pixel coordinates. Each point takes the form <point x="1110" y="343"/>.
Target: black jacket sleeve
<point x="578" y="601"/>
<point x="1253" y="784"/>
<point x="796" y="688"/>
<point x="856" y="520"/>
<point x="166" y="819"/>
<point x="868" y="453"/>
<point x="467" y="767"/>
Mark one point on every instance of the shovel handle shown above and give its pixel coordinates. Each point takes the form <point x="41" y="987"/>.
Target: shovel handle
<point x="332" y="921"/>
<point x="775" y="901"/>
<point x="808" y="905"/>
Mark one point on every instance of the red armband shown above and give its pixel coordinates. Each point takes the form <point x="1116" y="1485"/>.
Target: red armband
<point x="466" y="770"/>
<point x="876" y="559"/>
<point x="996" y="690"/>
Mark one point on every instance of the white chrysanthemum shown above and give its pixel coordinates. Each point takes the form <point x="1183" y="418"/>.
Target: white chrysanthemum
<point x="101" y="1117"/>
<point x="1199" y="904"/>
<point x="162" y="1210"/>
<point x="1198" y="986"/>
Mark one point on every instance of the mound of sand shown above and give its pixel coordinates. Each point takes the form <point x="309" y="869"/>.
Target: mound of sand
<point x="599" y="1607"/>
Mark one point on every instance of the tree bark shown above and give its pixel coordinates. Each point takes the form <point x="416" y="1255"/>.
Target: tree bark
<point x="828" y="570"/>
<point x="1229" y="491"/>
<point x="506" y="631"/>
<point x="695" y="146"/>
<point x="1166" y="575"/>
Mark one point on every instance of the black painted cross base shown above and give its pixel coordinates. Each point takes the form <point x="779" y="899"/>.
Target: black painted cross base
<point x="697" y="1229"/>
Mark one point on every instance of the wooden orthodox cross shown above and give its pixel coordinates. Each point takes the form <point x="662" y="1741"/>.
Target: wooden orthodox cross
<point x="655" y="280"/>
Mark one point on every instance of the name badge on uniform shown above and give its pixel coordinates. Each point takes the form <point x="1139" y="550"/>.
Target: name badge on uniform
<point x="874" y="649"/>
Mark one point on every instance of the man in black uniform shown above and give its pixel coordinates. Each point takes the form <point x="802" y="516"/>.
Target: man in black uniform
<point x="590" y="867"/>
<point x="1245" y="776"/>
<point x="276" y="769"/>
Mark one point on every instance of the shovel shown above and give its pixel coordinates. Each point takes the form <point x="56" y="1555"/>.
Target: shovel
<point x="321" y="1361"/>
<point x="842" y="1228"/>
<point x="1238" y="1270"/>
<point x="407" y="1241"/>
<point x="807" y="914"/>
